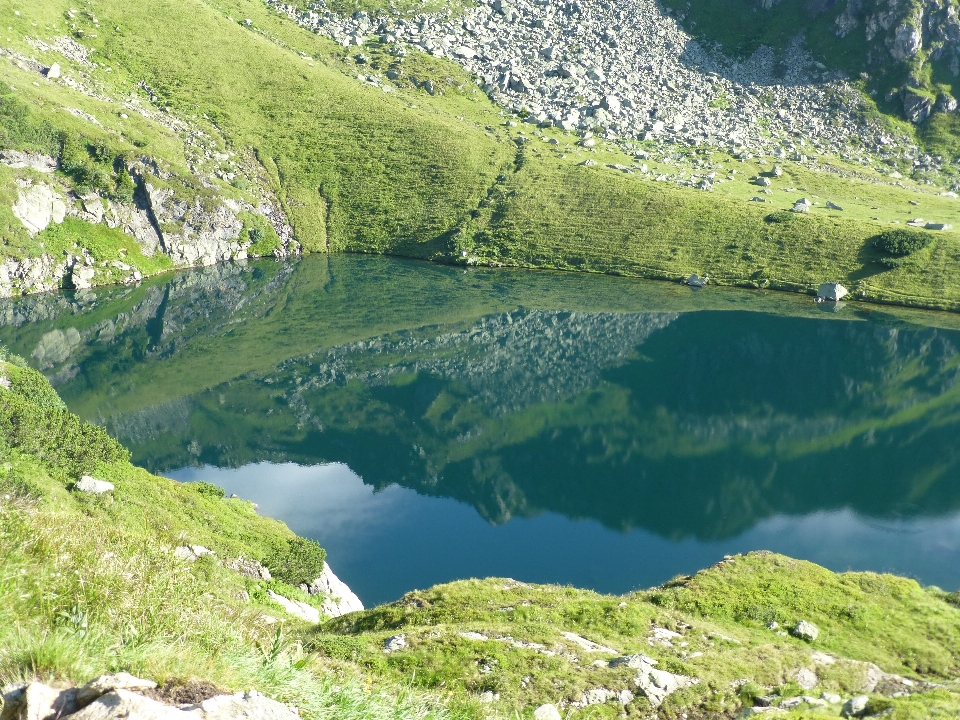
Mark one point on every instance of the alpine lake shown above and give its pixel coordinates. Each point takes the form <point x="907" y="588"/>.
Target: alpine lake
<point x="426" y="423"/>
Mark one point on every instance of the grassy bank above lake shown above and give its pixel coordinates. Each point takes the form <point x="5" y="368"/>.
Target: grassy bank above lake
<point x="92" y="583"/>
<point x="443" y="175"/>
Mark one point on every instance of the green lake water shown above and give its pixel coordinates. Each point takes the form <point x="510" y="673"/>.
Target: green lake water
<point x="427" y="423"/>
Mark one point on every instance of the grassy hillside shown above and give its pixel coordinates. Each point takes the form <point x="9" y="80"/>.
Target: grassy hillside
<point x="90" y="583"/>
<point x="437" y="176"/>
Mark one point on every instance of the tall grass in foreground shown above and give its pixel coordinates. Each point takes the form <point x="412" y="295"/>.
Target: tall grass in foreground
<point x="79" y="598"/>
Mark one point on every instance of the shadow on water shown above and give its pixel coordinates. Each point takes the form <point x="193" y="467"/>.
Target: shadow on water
<point x="638" y="405"/>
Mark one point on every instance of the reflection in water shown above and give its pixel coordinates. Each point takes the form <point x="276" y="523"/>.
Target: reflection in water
<point x="599" y="431"/>
<point x="386" y="543"/>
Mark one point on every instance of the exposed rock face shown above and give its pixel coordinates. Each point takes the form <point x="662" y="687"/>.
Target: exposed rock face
<point x="38" y="206"/>
<point x="31" y="275"/>
<point x="295" y="607"/>
<point x="35" y="161"/>
<point x="339" y="599"/>
<point x="906" y="42"/>
<point x="916" y="106"/>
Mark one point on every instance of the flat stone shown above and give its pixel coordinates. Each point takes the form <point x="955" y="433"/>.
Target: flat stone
<point x="588" y="645"/>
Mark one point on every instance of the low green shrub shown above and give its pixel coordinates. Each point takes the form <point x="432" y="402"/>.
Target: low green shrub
<point x="208" y="490"/>
<point x="35" y="420"/>
<point x="301" y="561"/>
<point x="781" y="216"/>
<point x="901" y="242"/>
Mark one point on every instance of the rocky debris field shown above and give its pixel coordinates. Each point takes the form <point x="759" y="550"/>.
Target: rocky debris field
<point x="122" y="695"/>
<point x="629" y="71"/>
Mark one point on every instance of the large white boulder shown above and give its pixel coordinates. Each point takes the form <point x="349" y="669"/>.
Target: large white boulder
<point x="91" y="485"/>
<point x="37" y="207"/>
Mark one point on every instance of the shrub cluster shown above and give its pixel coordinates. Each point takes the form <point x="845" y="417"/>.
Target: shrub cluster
<point x="34" y="419"/>
<point x="95" y="166"/>
<point x="899" y="243"/>
<point x="301" y="561"/>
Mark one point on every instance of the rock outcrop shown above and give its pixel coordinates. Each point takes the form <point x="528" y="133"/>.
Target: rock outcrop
<point x="338" y="598"/>
<point x="38" y="206"/>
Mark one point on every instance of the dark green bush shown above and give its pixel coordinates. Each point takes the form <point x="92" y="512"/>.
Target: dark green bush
<point x="34" y="420"/>
<point x="781" y="216"/>
<point x="901" y="242"/>
<point x="33" y="386"/>
<point x="208" y="490"/>
<point x="301" y="561"/>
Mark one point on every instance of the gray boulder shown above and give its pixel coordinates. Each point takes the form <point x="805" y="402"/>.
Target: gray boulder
<point x="916" y="106"/>
<point x="53" y="72"/>
<point x="546" y="712"/>
<point x="906" y="42"/>
<point x="36" y="701"/>
<point x="394" y="643"/>
<point x="803" y="629"/>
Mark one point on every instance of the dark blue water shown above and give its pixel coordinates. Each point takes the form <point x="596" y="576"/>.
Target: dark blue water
<point x="426" y="424"/>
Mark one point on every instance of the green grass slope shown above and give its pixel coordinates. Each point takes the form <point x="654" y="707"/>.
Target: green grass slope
<point x="437" y="176"/>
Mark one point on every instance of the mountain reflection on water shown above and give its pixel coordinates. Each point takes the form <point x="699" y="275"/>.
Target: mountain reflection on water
<point x="685" y="419"/>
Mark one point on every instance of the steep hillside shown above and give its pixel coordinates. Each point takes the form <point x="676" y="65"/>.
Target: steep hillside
<point x="138" y="138"/>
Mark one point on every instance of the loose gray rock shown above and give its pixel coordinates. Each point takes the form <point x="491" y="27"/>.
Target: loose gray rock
<point x="806" y="678"/>
<point x="762" y="182"/>
<point x="855" y="706"/>
<point x="53" y="72"/>
<point x="697" y="281"/>
<point x="833" y="206"/>
<point x="93" y="486"/>
<point x="803" y="629"/>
